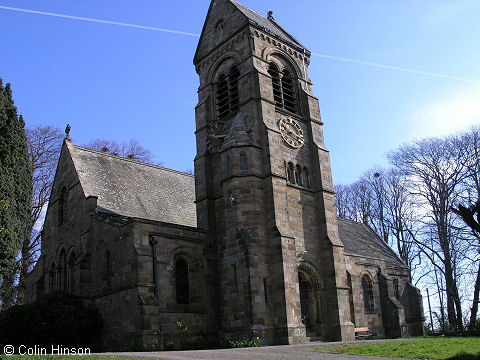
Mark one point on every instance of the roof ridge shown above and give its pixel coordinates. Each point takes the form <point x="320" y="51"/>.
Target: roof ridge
<point x="276" y="28"/>
<point x="131" y="160"/>
<point x="274" y="22"/>
<point x="246" y="7"/>
<point x="350" y="220"/>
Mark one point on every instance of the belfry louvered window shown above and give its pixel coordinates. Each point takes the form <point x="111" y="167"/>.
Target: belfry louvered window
<point x="277" y="87"/>
<point x="288" y="89"/>
<point x="284" y="91"/>
<point x="227" y="93"/>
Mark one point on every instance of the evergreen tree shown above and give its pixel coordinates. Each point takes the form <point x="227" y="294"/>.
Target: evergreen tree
<point x="15" y="181"/>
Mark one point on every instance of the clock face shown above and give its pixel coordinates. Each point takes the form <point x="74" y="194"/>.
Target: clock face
<point x="291" y="132"/>
<point x="215" y="135"/>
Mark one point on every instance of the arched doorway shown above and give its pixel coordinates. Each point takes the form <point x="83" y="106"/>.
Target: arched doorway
<point x="304" y="299"/>
<point x="309" y="298"/>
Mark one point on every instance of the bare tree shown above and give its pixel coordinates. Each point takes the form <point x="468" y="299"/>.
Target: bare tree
<point x="131" y="150"/>
<point x="362" y="201"/>
<point x="343" y="200"/>
<point x="400" y="216"/>
<point x="435" y="171"/>
<point x="469" y="211"/>
<point x="375" y="181"/>
<point x="44" y="145"/>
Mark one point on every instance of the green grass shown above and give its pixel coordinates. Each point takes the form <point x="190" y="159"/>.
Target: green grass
<point x="467" y="348"/>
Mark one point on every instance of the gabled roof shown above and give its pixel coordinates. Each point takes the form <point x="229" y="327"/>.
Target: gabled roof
<point x="360" y="239"/>
<point x="268" y="24"/>
<point x="134" y="189"/>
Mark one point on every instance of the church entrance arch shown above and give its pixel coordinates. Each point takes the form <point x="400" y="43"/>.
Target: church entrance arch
<point x="304" y="303"/>
<point x="309" y="297"/>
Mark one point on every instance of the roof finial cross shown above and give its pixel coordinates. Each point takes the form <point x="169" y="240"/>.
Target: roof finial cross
<point x="67" y="132"/>
<point x="270" y="14"/>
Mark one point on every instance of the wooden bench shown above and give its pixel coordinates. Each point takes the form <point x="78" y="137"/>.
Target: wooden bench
<point x="362" y="333"/>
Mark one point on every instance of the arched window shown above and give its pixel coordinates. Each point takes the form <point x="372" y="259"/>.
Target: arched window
<point x="298" y="175"/>
<point x="284" y="90"/>
<point x="227" y="93"/>
<point x="62" y="271"/>
<point x="289" y="92"/>
<point x="307" y="177"/>
<point x="229" y="165"/>
<point x="51" y="278"/>
<point x="367" y="293"/>
<point x="243" y="161"/>
<point x="181" y="282"/>
<point x="233" y="88"/>
<point x="396" y="289"/>
<point x="277" y="87"/>
<point x="62" y="206"/>
<point x="291" y="173"/>
<point x="222" y="96"/>
<point x="71" y="272"/>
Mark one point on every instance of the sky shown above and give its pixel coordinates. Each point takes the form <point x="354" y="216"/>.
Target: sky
<point x="369" y="68"/>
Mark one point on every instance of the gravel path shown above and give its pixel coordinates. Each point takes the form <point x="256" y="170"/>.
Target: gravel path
<point x="284" y="352"/>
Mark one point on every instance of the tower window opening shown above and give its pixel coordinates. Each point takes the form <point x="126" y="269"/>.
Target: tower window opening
<point x="291" y="173"/>
<point x="222" y="97"/>
<point x="298" y="175"/>
<point x="243" y="161"/>
<point x="288" y="90"/>
<point x="229" y="165"/>
<point x="277" y="87"/>
<point x="233" y="88"/>
<point x="227" y="93"/>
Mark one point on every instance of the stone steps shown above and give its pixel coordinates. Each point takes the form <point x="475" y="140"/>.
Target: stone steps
<point x="313" y="336"/>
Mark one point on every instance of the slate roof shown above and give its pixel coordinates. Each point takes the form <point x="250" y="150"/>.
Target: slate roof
<point x="360" y="239"/>
<point x="268" y="24"/>
<point x="134" y="189"/>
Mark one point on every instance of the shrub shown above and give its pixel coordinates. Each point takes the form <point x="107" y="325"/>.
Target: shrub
<point x="251" y="342"/>
<point x="56" y="319"/>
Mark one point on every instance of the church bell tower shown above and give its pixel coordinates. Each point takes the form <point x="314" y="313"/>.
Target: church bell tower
<point x="264" y="192"/>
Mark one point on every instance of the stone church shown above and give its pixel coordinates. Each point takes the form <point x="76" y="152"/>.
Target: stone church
<point x="250" y="245"/>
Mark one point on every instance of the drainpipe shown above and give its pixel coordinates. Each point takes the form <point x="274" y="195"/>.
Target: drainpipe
<point x="153" y="244"/>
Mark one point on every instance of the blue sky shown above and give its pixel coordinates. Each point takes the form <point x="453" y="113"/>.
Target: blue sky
<point x="117" y="82"/>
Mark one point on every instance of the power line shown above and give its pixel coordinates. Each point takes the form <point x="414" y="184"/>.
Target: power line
<point x="389" y="67"/>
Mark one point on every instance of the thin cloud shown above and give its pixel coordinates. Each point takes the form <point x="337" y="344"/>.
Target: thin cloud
<point x="444" y="13"/>
<point x="100" y="21"/>
<point x="389" y="67"/>
<point x="454" y="111"/>
<point x="397" y="68"/>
